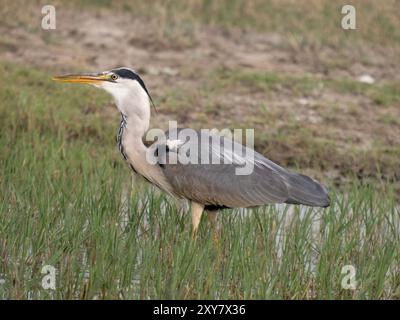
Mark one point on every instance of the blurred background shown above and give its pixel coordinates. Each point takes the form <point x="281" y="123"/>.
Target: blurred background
<point x="319" y="97"/>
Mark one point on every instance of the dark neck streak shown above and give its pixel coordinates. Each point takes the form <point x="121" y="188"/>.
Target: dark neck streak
<point x="120" y="133"/>
<point x="151" y="172"/>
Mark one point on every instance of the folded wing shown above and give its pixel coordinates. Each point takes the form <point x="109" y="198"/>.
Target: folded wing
<point x="219" y="181"/>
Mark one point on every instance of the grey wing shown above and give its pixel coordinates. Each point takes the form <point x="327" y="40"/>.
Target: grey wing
<point x="235" y="176"/>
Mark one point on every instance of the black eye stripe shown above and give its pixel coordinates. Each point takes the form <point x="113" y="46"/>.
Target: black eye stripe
<point x="125" y="73"/>
<point x="129" y="74"/>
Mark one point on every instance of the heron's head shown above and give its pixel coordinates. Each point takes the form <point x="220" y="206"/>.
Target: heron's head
<point x="124" y="84"/>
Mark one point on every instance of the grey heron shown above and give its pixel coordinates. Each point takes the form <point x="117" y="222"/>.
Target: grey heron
<point x="209" y="186"/>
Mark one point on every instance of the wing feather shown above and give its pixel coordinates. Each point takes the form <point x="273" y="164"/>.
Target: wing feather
<point x="218" y="184"/>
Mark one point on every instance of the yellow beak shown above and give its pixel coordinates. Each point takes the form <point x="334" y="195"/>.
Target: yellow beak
<point x="82" y="78"/>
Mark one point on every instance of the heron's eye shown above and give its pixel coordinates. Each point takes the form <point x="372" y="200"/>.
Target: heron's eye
<point x="114" y="77"/>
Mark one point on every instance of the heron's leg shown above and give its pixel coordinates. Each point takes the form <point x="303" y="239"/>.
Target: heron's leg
<point x="212" y="218"/>
<point x="197" y="211"/>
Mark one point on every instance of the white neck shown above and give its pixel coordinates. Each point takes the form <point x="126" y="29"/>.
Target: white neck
<point x="133" y="102"/>
<point x="134" y="105"/>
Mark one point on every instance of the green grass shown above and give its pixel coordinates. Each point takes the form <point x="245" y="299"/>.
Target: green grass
<point x="81" y="225"/>
<point x="67" y="200"/>
<point x="386" y="94"/>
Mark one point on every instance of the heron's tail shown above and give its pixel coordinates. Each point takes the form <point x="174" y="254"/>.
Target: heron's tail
<point x="304" y="190"/>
